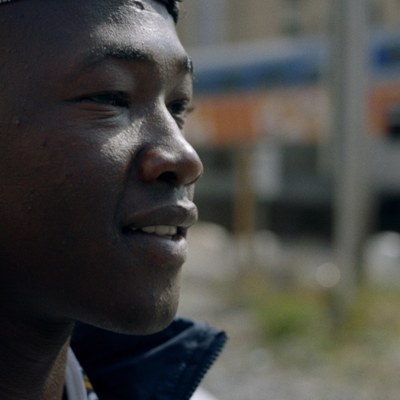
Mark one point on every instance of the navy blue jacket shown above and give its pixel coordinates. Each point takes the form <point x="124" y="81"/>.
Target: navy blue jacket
<point x="164" y="366"/>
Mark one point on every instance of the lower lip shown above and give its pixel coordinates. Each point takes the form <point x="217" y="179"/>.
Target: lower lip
<point x="160" y="251"/>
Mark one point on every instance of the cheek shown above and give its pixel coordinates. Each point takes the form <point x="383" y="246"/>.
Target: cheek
<point x="58" y="179"/>
<point x="57" y="203"/>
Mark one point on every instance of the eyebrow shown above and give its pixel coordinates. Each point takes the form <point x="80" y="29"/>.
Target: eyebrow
<point x="128" y="53"/>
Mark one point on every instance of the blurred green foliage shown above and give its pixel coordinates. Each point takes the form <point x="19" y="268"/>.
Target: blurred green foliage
<point x="308" y="315"/>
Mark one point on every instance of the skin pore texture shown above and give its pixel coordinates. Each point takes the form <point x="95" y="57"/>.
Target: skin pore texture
<point x="96" y="178"/>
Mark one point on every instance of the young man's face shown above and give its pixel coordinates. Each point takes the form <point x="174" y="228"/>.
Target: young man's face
<point x="95" y="175"/>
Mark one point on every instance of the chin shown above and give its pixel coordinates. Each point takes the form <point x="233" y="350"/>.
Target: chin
<point x="144" y="321"/>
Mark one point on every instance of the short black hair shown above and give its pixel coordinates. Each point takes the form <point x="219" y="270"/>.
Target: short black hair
<point x="172" y="7"/>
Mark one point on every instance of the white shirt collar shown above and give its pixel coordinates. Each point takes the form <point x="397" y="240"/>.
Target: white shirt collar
<point x="73" y="379"/>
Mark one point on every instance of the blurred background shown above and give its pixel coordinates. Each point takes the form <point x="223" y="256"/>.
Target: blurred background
<point x="297" y="252"/>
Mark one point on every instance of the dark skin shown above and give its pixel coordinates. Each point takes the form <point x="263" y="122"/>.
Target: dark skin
<point x="96" y="178"/>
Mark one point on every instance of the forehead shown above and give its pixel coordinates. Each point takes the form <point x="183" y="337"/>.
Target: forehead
<point x="83" y="15"/>
<point x="68" y="32"/>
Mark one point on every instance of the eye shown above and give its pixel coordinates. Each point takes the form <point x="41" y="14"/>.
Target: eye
<point x="113" y="99"/>
<point x="179" y="110"/>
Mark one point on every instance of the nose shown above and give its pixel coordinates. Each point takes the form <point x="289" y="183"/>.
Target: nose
<point x="176" y="164"/>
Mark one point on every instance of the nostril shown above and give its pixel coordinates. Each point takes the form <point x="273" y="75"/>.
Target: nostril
<point x="168" y="177"/>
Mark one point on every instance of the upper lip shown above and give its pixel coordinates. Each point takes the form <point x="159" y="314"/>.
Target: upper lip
<point x="182" y="214"/>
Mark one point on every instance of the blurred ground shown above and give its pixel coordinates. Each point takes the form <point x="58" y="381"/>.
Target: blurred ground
<point x="250" y="369"/>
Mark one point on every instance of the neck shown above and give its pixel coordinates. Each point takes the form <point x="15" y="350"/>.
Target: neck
<point x="32" y="359"/>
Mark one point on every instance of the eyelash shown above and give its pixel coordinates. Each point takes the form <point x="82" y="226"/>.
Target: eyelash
<point x="114" y="99"/>
<point x="179" y="109"/>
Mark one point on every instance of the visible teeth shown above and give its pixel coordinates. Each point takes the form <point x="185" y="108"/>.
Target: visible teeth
<point x="173" y="230"/>
<point x="161" y="230"/>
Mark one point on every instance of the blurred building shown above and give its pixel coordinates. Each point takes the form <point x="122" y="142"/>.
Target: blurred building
<point x="215" y="21"/>
<point x="262" y="84"/>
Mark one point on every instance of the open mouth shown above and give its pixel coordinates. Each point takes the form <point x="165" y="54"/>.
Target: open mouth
<point x="169" y="222"/>
<point x="158" y="230"/>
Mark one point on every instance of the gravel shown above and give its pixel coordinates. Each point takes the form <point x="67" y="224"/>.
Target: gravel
<point x="250" y="370"/>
